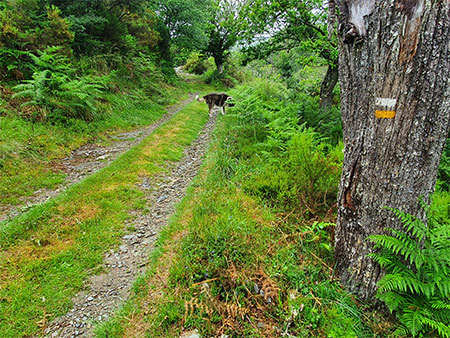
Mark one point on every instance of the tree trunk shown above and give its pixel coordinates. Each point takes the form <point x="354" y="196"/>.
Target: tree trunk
<point x="219" y="68"/>
<point x="394" y="69"/>
<point x="218" y="60"/>
<point x="327" y="86"/>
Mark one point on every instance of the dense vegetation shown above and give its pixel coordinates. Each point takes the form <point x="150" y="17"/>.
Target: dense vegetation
<point x="250" y="250"/>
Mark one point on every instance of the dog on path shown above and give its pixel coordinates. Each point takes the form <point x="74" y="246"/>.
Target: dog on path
<point x="219" y="100"/>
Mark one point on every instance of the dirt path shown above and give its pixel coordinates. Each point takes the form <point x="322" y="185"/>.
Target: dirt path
<point x="88" y="159"/>
<point x="105" y="292"/>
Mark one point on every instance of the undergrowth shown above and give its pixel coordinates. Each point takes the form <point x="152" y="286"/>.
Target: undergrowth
<point x="241" y="262"/>
<point x="417" y="282"/>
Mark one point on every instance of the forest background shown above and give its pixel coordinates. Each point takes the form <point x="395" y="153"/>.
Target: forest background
<point x="72" y="72"/>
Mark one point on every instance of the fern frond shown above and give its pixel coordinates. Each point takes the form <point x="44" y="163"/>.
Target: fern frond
<point x="411" y="224"/>
<point x="29" y="103"/>
<point x="412" y="319"/>
<point x="400" y="245"/>
<point x="443" y="285"/>
<point x="24" y="93"/>
<point x="383" y="260"/>
<point x="401" y="331"/>
<point x="441" y="328"/>
<point x="392" y="299"/>
<point x="417" y="283"/>
<point x="439" y="304"/>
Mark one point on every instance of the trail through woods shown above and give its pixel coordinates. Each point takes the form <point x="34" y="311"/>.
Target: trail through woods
<point x="105" y="292"/>
<point x="89" y="158"/>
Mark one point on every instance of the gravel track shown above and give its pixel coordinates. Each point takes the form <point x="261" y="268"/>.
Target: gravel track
<point x="105" y="292"/>
<point x="88" y="159"/>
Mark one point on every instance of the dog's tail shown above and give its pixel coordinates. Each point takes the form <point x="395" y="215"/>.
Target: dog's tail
<point x="199" y="99"/>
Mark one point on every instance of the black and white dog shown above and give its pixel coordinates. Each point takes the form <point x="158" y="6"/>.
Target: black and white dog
<point x="219" y="100"/>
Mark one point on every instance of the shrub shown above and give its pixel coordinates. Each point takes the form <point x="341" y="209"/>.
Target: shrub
<point x="305" y="175"/>
<point x="417" y="281"/>
<point x="196" y="64"/>
<point x="51" y="91"/>
<point x="293" y="166"/>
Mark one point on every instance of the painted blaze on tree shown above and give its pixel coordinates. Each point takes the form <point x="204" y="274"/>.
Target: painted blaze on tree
<point x="394" y="66"/>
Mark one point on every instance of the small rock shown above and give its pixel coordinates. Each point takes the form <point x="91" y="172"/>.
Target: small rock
<point x="128" y="237"/>
<point x="261" y="325"/>
<point x="90" y="299"/>
<point x="161" y="199"/>
<point x="123" y="248"/>
<point x="191" y="334"/>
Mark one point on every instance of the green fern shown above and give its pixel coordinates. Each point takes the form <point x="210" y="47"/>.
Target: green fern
<point x="36" y="92"/>
<point x="53" y="90"/>
<point x="417" y="281"/>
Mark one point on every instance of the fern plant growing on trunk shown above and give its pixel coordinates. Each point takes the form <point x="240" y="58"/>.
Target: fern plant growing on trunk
<point x="416" y="285"/>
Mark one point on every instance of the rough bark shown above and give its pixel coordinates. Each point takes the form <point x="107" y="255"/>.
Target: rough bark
<point x="219" y="66"/>
<point x="327" y="86"/>
<point x="394" y="59"/>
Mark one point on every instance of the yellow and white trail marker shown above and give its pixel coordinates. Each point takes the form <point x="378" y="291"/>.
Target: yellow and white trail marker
<point x="385" y="108"/>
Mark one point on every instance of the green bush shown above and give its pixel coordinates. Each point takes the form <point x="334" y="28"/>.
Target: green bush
<point x="196" y="64"/>
<point x="305" y="175"/>
<point x="327" y="122"/>
<point x="53" y="94"/>
<point x="417" y="282"/>
<point x="292" y="165"/>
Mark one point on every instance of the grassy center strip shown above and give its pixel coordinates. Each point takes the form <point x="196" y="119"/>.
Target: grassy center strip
<point x="48" y="252"/>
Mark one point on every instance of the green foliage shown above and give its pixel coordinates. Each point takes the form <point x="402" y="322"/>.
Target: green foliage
<point x="52" y="92"/>
<point x="196" y="64"/>
<point x="299" y="25"/>
<point x="444" y="168"/>
<point x="293" y="165"/>
<point x="180" y="25"/>
<point x="226" y="25"/>
<point x="417" y="282"/>
<point x="27" y="25"/>
<point x="14" y="63"/>
<point x="303" y="85"/>
<point x="325" y="121"/>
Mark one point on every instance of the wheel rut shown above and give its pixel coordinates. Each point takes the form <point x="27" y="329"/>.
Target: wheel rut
<point x="88" y="159"/>
<point x="105" y="292"/>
